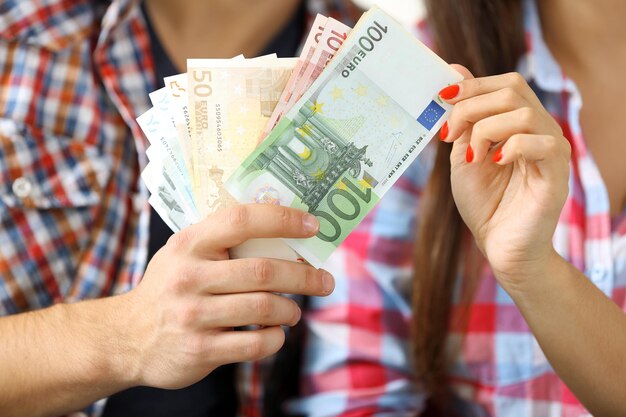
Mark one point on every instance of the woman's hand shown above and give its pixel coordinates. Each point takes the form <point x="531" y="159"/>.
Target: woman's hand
<point x="182" y="314"/>
<point x="510" y="168"/>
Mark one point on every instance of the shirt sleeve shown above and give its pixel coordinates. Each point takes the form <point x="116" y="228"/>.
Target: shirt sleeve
<point x="357" y="346"/>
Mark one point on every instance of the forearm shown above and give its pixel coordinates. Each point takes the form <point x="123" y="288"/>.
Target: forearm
<point x="62" y="358"/>
<point x="582" y="333"/>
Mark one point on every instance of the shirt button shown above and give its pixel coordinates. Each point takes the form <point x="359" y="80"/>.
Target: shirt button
<point x="22" y="187"/>
<point x="597" y="274"/>
<point x="139" y="202"/>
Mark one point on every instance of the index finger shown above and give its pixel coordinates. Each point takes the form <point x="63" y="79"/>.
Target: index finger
<point x="472" y="87"/>
<point x="232" y="226"/>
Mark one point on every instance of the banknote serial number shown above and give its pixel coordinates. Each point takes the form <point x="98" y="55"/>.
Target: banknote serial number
<point x="405" y="157"/>
<point x="218" y="127"/>
<point x="187" y="117"/>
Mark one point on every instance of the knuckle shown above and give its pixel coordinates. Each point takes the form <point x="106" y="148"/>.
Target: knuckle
<point x="516" y="80"/>
<point x="551" y="145"/>
<point x="459" y="111"/>
<point x="262" y="272"/>
<point x="514" y="140"/>
<point x="188" y="316"/>
<point x="287" y="218"/>
<point x="181" y="240"/>
<point x="528" y="116"/>
<point x="478" y="130"/>
<point x="264" y="305"/>
<point x="509" y="96"/>
<point x="185" y="278"/>
<point x="238" y="216"/>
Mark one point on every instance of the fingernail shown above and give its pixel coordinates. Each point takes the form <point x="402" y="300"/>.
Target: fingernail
<point x="469" y="155"/>
<point x="328" y="283"/>
<point x="443" y="133"/>
<point x="497" y="157"/>
<point x="449" y="92"/>
<point x="310" y="223"/>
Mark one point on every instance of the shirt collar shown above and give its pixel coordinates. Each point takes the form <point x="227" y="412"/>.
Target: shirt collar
<point x="118" y="12"/>
<point x="52" y="24"/>
<point x="57" y="24"/>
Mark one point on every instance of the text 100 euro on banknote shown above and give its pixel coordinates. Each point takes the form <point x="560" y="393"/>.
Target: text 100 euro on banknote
<point x="352" y="134"/>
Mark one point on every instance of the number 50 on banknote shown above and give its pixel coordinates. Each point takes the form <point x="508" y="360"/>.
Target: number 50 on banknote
<point x="352" y="134"/>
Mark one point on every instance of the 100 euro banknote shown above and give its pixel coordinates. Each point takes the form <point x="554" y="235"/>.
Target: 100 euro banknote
<point x="352" y="134"/>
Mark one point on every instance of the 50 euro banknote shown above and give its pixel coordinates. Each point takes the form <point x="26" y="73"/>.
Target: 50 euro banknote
<point x="230" y="101"/>
<point x="352" y="133"/>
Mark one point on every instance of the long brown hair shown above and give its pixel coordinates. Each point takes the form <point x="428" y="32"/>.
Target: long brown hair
<point x="487" y="37"/>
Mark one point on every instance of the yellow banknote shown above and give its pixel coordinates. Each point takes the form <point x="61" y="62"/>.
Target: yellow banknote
<point x="230" y="102"/>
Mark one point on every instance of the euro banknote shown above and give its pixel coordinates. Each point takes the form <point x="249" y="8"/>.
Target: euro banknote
<point x="305" y="57"/>
<point x="230" y="101"/>
<point x="352" y="134"/>
<point x="331" y="39"/>
<point x="165" y="160"/>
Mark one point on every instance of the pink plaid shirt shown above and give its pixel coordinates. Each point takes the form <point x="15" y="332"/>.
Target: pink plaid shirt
<point x="357" y="357"/>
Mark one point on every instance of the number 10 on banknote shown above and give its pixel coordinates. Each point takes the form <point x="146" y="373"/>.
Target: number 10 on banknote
<point x="352" y="134"/>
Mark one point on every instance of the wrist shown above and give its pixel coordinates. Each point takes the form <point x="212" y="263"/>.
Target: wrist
<point x="532" y="275"/>
<point x="105" y="338"/>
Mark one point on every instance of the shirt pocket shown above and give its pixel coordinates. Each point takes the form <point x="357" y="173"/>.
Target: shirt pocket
<point x="41" y="170"/>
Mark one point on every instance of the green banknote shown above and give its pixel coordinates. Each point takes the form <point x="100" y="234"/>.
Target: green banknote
<point x="352" y="134"/>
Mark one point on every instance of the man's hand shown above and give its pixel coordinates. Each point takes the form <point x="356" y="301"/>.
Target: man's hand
<point x="170" y="331"/>
<point x="181" y="316"/>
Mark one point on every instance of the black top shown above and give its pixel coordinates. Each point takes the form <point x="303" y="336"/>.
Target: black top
<point x="216" y="394"/>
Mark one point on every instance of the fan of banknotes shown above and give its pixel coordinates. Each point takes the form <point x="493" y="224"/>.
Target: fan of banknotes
<point x="328" y="132"/>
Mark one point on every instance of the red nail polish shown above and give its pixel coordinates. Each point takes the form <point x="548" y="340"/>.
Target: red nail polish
<point x="497" y="157"/>
<point x="449" y="92"/>
<point x="469" y="155"/>
<point x="443" y="133"/>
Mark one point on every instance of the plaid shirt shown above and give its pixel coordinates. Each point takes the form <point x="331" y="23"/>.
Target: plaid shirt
<point x="357" y="354"/>
<point x="74" y="75"/>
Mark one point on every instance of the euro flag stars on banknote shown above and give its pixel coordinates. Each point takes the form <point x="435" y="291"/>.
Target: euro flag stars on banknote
<point x="352" y="134"/>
